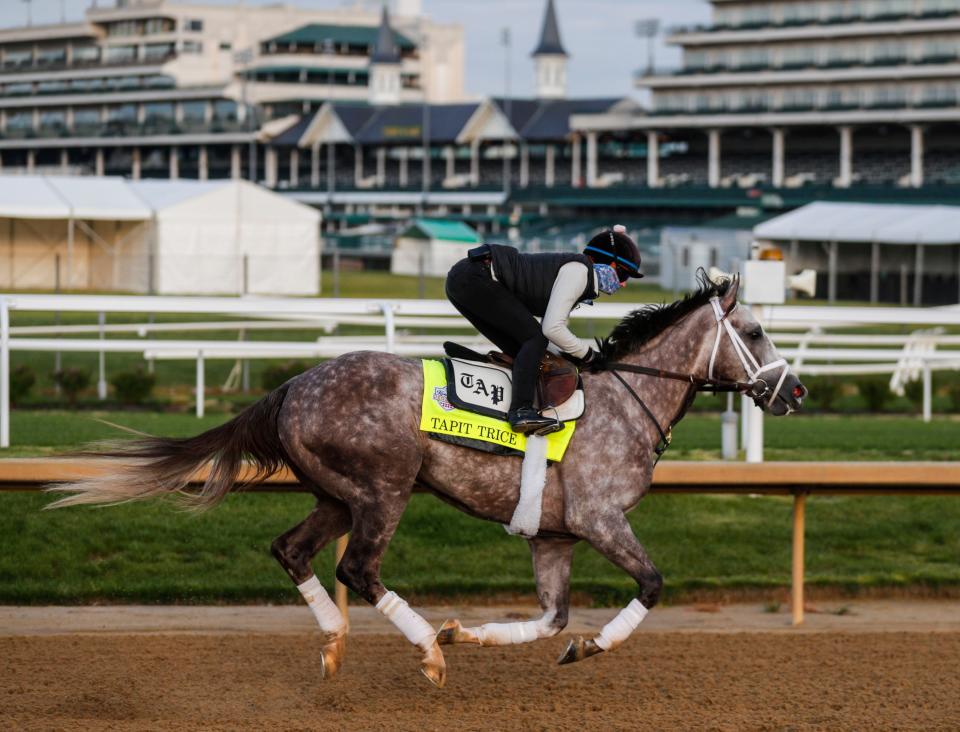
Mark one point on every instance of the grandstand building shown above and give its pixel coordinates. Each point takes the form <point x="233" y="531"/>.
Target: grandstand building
<point x="788" y="94"/>
<point x="152" y="88"/>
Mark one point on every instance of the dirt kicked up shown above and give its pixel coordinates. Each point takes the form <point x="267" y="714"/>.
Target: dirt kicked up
<point x="657" y="681"/>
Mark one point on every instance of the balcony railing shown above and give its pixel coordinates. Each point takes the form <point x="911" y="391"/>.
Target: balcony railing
<point x="760" y="108"/>
<point x="807" y="22"/>
<point x="124" y="128"/>
<point x="76" y="65"/>
<point x="755" y="66"/>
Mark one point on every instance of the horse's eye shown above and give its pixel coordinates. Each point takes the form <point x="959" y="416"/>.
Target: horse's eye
<point x="756" y="334"/>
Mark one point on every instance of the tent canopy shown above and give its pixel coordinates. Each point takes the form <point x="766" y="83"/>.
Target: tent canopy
<point x="865" y="222"/>
<point x="441" y="230"/>
<point x="64" y="197"/>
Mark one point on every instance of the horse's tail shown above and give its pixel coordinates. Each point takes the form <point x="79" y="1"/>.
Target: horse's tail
<point x="156" y="466"/>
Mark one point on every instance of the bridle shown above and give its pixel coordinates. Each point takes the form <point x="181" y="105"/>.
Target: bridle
<point x="755" y="387"/>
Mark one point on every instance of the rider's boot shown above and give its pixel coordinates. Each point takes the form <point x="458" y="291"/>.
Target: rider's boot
<point x="525" y="419"/>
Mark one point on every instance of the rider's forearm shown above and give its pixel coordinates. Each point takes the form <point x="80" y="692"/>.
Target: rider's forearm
<point x="569" y="286"/>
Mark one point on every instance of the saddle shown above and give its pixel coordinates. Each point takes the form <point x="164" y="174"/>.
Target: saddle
<point x="481" y="383"/>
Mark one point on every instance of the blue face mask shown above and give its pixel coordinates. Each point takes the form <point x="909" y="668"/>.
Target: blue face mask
<point x="607" y="279"/>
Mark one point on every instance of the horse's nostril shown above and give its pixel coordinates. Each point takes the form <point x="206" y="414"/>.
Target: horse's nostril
<point x="799" y="392"/>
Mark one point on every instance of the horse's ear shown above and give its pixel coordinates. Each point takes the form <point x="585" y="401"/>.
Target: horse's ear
<point x="730" y="297"/>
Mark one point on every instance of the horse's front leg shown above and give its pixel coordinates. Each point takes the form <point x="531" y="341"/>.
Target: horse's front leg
<point x="551" y="566"/>
<point x="611" y="535"/>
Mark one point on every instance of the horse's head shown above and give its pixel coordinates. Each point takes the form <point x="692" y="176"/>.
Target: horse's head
<point x="743" y="352"/>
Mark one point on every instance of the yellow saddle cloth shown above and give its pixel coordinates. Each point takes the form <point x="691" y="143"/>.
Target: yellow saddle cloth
<point x="440" y="417"/>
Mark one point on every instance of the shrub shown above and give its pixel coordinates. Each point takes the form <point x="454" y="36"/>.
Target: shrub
<point x="913" y="390"/>
<point x="22" y="380"/>
<point x="875" y="391"/>
<point x="824" y="391"/>
<point x="72" y="381"/>
<point x="133" y="387"/>
<point x="277" y="374"/>
<point x="953" y="391"/>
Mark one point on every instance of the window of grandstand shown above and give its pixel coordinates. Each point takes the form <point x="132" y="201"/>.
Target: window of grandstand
<point x="940" y="50"/>
<point x="154" y="26"/>
<point x="51" y="56"/>
<point x="889" y="52"/>
<point x="123" y="83"/>
<point x="695" y="59"/>
<point x="192" y="47"/>
<point x="17" y="90"/>
<point x="939" y="95"/>
<point x="755" y="57"/>
<point x="124" y="28"/>
<point x="939" y="7"/>
<point x="798" y="56"/>
<point x="194" y="114"/>
<point x="159" y="82"/>
<point x="86" y="120"/>
<point x="52" y="87"/>
<point x="19" y="124"/>
<point x="121" y="54"/>
<point x="194" y="25"/>
<point x="158" y="117"/>
<point x="158" y="51"/>
<point x="225" y="115"/>
<point x="86" y="86"/>
<point x="13" y="58"/>
<point x="53" y="122"/>
<point x="86" y="54"/>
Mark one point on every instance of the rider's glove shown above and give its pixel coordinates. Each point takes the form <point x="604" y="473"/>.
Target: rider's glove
<point x="592" y="361"/>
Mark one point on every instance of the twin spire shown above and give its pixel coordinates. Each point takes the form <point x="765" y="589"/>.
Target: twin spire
<point x="549" y="56"/>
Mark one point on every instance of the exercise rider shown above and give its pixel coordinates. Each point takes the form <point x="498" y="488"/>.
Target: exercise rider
<point x="500" y="291"/>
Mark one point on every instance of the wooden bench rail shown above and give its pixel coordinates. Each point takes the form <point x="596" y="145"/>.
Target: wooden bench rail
<point x="798" y="479"/>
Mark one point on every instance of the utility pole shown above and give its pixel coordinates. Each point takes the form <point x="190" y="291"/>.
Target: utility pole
<point x="244" y="58"/>
<point x="29" y="12"/>
<point x="508" y="108"/>
<point x="648" y="28"/>
<point x="425" y="133"/>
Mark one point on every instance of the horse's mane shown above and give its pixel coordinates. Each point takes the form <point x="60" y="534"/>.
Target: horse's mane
<point x="643" y="324"/>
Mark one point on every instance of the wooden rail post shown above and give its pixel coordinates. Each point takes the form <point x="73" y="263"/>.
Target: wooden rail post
<point x="796" y="588"/>
<point x="340" y="590"/>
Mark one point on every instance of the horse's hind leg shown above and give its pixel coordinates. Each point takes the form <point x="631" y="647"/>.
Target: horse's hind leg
<point x="551" y="566"/>
<point x="294" y="550"/>
<point x="375" y="520"/>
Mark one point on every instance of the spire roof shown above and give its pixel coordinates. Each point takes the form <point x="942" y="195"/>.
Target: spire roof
<point x="550" y="43"/>
<point x="386" y="50"/>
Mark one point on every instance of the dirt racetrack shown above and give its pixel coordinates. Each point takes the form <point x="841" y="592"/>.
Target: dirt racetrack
<point x="659" y="680"/>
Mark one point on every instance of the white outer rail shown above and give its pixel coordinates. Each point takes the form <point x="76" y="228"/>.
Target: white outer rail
<point x="298" y="312"/>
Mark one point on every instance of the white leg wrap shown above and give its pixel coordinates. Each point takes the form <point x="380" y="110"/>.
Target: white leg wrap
<point x="533" y="477"/>
<point x="417" y="630"/>
<point x="505" y="634"/>
<point x="323" y="608"/>
<point x="619" y="629"/>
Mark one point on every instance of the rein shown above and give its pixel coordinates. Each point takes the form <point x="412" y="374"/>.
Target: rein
<point x="756" y="388"/>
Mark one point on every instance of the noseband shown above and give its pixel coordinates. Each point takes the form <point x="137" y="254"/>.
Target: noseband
<point x="755" y="387"/>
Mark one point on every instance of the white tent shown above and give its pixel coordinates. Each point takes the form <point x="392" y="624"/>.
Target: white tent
<point x="167" y="237"/>
<point x="865" y="222"/>
<point x="884" y="252"/>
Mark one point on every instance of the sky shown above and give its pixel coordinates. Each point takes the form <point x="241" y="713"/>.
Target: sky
<point x="598" y="35"/>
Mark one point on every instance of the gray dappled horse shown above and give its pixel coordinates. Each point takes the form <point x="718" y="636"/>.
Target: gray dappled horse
<point x="349" y="430"/>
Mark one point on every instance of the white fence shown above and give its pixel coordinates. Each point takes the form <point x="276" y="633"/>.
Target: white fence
<point x="798" y="325"/>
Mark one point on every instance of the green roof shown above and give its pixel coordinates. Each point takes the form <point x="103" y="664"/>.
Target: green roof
<point x="355" y="35"/>
<point x="442" y="229"/>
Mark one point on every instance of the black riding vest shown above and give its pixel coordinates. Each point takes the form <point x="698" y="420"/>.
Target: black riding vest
<point x="531" y="276"/>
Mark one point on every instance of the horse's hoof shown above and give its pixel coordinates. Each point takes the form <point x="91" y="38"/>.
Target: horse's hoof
<point x="331" y="657"/>
<point x="579" y="649"/>
<point x="453" y="632"/>
<point x="433" y="666"/>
